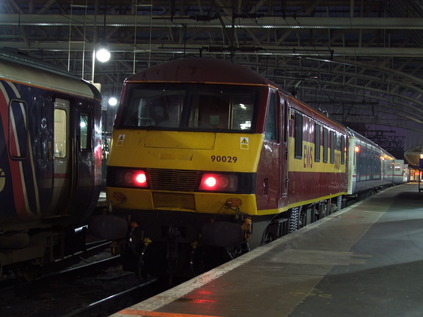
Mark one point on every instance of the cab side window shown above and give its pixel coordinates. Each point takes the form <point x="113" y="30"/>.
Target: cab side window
<point x="272" y="119"/>
<point x="298" y="150"/>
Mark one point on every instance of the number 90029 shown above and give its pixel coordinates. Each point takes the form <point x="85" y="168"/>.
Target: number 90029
<point x="223" y="158"/>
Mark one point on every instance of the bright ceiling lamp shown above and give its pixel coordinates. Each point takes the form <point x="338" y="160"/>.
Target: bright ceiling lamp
<point x="103" y="55"/>
<point x="113" y="101"/>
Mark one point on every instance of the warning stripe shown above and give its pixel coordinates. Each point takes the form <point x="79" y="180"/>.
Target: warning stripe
<point x="14" y="166"/>
<point x="31" y="173"/>
<point x="136" y="312"/>
<point x="19" y="180"/>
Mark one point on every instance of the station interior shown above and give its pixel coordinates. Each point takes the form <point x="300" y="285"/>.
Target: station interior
<point x="357" y="62"/>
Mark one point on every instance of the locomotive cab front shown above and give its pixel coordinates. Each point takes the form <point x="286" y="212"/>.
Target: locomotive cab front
<point x="185" y="149"/>
<point x="184" y="157"/>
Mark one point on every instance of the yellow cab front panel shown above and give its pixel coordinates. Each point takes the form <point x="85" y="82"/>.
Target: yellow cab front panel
<point x="175" y="161"/>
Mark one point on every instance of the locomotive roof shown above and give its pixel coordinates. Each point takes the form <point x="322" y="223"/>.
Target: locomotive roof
<point x="200" y="70"/>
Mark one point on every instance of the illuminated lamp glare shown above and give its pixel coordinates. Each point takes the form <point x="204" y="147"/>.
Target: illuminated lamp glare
<point x="219" y="182"/>
<point x="356" y="149"/>
<point x="103" y="55"/>
<point x="210" y="181"/>
<point x="140" y="178"/>
<point x="113" y="101"/>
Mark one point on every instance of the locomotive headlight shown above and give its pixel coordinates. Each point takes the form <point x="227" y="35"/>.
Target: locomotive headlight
<point x="219" y="182"/>
<point x="210" y="182"/>
<point x="127" y="177"/>
<point x="140" y="179"/>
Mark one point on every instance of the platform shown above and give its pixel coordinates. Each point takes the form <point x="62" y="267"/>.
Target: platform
<point x="365" y="260"/>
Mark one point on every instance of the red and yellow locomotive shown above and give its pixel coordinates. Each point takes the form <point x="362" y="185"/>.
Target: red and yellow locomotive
<point x="208" y="155"/>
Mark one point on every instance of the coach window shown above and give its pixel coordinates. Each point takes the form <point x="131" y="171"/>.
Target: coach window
<point x="342" y="149"/>
<point x="60" y="129"/>
<point x="332" y="146"/>
<point x="325" y="145"/>
<point x="298" y="151"/>
<point x="317" y="136"/>
<point x="18" y="129"/>
<point x="84" y="131"/>
<point x="271" y="120"/>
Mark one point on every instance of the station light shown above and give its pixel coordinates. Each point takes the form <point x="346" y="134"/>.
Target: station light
<point x="113" y="101"/>
<point x="103" y="55"/>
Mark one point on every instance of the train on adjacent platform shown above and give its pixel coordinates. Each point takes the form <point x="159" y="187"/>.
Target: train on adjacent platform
<point x="209" y="159"/>
<point x="50" y="162"/>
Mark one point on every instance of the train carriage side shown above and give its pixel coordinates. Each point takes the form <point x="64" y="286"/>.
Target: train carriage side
<point x="388" y="173"/>
<point x="369" y="166"/>
<point x="401" y="173"/>
<point x="50" y="157"/>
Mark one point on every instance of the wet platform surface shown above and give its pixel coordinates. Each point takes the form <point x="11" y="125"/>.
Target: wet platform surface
<point x="365" y="260"/>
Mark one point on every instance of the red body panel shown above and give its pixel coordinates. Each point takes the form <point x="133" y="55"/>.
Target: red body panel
<point x="305" y="186"/>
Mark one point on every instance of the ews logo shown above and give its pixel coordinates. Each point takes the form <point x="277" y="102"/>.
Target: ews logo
<point x="308" y="156"/>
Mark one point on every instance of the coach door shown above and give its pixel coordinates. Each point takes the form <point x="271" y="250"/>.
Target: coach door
<point x="62" y="156"/>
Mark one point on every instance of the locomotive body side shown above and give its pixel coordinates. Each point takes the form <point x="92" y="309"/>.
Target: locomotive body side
<point x="50" y="157"/>
<point x="317" y="156"/>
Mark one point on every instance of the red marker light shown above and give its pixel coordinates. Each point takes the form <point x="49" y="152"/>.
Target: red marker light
<point x="140" y="179"/>
<point x="219" y="182"/>
<point x="210" y="182"/>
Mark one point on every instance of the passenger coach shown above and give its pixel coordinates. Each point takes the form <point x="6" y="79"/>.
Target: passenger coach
<point x="370" y="166"/>
<point x="50" y="161"/>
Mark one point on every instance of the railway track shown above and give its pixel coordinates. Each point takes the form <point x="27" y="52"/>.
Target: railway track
<point x="87" y="284"/>
<point x="118" y="301"/>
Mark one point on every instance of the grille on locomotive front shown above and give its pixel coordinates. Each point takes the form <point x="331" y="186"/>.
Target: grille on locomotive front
<point x="173" y="180"/>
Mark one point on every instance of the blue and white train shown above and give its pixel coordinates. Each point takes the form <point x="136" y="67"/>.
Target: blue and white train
<point x="50" y="160"/>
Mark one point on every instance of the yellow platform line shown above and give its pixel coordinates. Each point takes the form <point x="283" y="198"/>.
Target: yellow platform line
<point x="136" y="312"/>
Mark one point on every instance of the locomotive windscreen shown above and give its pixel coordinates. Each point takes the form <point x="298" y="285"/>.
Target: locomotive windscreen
<point x="189" y="107"/>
